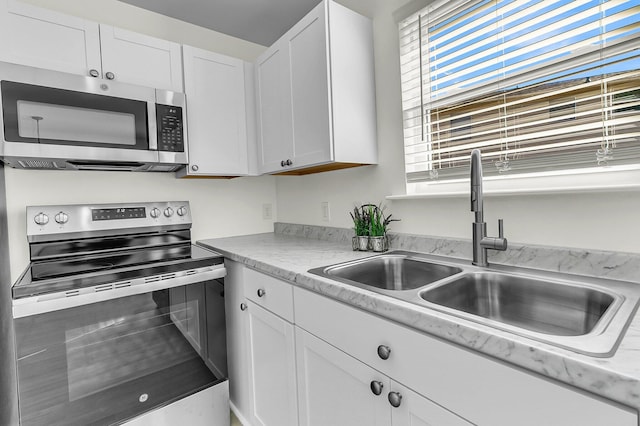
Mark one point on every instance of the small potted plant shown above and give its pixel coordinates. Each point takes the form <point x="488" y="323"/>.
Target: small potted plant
<point x="378" y="226"/>
<point x="360" y="218"/>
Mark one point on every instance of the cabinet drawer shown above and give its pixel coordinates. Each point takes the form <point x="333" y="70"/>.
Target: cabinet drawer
<point x="270" y="293"/>
<point x="481" y="389"/>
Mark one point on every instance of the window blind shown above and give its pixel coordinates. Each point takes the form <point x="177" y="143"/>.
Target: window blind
<point x="537" y="86"/>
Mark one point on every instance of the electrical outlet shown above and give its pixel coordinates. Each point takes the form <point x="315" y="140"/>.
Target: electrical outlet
<point x="326" y="213"/>
<point x="267" y="211"/>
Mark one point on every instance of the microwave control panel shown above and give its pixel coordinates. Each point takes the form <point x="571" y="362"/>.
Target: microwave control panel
<point x="170" y="128"/>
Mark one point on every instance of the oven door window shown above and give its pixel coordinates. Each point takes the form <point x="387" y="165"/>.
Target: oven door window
<point x="37" y="114"/>
<point x="110" y="361"/>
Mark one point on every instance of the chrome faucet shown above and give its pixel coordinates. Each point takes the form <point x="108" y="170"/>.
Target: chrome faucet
<point x="481" y="243"/>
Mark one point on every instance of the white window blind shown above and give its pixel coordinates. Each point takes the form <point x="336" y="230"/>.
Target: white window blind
<point x="537" y="86"/>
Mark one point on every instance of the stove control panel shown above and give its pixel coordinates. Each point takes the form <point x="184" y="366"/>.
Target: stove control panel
<point x="45" y="222"/>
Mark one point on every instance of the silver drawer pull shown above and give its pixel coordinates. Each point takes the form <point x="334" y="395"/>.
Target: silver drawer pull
<point x="384" y="351"/>
<point x="395" y="399"/>
<point x="376" y="387"/>
<point x="261" y="292"/>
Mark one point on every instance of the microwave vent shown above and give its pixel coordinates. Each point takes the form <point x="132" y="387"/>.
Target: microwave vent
<point x="40" y="164"/>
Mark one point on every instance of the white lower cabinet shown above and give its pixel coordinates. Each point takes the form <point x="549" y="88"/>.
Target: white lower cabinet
<point x="272" y="369"/>
<point x="260" y="348"/>
<point x="301" y="358"/>
<point x="416" y="410"/>
<point x="337" y="389"/>
<point x="237" y="342"/>
<point x="480" y="389"/>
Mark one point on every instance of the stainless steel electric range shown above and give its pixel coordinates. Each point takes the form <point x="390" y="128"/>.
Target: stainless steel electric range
<point x="119" y="319"/>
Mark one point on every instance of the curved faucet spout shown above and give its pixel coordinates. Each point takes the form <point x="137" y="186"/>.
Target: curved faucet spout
<point x="476" y="185"/>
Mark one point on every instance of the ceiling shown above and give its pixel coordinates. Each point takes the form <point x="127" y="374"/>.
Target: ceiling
<point x="257" y="21"/>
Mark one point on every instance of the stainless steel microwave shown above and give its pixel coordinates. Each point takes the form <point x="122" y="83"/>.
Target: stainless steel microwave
<point x="54" y="120"/>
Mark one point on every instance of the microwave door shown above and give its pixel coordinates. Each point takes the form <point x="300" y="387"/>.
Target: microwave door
<point x="59" y="117"/>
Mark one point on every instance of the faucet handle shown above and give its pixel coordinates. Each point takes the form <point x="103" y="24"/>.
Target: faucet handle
<point x="500" y="243"/>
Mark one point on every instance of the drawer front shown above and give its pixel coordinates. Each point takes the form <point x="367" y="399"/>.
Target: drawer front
<point x="271" y="293"/>
<point x="480" y="389"/>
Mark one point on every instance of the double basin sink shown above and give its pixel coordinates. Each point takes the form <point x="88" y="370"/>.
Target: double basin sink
<point x="583" y="314"/>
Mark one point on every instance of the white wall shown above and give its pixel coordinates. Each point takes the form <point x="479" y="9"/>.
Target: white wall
<point x="594" y="221"/>
<point x="220" y="207"/>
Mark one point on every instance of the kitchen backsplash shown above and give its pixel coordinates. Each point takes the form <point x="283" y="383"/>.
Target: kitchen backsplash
<point x="613" y="265"/>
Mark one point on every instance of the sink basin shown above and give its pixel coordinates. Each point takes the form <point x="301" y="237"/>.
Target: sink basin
<point x="587" y="315"/>
<point x="395" y="271"/>
<point x="532" y="304"/>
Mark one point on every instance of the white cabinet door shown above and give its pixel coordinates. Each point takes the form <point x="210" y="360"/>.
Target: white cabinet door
<point x="312" y="139"/>
<point x="272" y="369"/>
<point x="216" y="113"/>
<point x="42" y="38"/>
<point x="237" y="340"/>
<point x="140" y="59"/>
<point x="416" y="410"/>
<point x="316" y="94"/>
<point x="274" y="108"/>
<point x="336" y="389"/>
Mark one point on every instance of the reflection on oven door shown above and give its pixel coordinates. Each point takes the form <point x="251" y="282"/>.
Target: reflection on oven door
<point x="110" y="361"/>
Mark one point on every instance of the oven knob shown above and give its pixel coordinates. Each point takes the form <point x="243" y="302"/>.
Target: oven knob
<point x="168" y="212"/>
<point x="41" y="219"/>
<point x="62" y="218"/>
<point x="182" y="211"/>
<point x="155" y="213"/>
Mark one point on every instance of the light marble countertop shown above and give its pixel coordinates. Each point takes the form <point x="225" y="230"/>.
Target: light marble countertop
<point x="288" y="256"/>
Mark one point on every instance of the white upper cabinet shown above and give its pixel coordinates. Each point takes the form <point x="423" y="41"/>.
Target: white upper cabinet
<point x="316" y="95"/>
<point x="310" y="89"/>
<point x="218" y="112"/>
<point x="274" y="108"/>
<point x="46" y="39"/>
<point x="140" y="59"/>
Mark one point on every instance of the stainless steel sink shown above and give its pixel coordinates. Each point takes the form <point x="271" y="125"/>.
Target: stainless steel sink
<point x="584" y="314"/>
<point x="532" y="304"/>
<point x="397" y="271"/>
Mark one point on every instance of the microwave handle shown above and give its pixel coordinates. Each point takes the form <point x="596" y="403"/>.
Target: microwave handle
<point x="153" y="126"/>
<point x="102" y="166"/>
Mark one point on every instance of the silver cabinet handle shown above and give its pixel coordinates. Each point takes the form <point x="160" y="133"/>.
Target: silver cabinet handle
<point x="243" y="306"/>
<point x="384" y="351"/>
<point x="283" y="163"/>
<point x="261" y="292"/>
<point x="94" y="73"/>
<point x="289" y="162"/>
<point x="395" y="399"/>
<point x="195" y="168"/>
<point x="110" y="75"/>
<point x="376" y="387"/>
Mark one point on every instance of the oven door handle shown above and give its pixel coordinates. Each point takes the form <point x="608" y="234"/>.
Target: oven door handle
<point x="35" y="305"/>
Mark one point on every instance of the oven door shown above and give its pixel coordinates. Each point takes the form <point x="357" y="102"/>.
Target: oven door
<point x="113" y="361"/>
